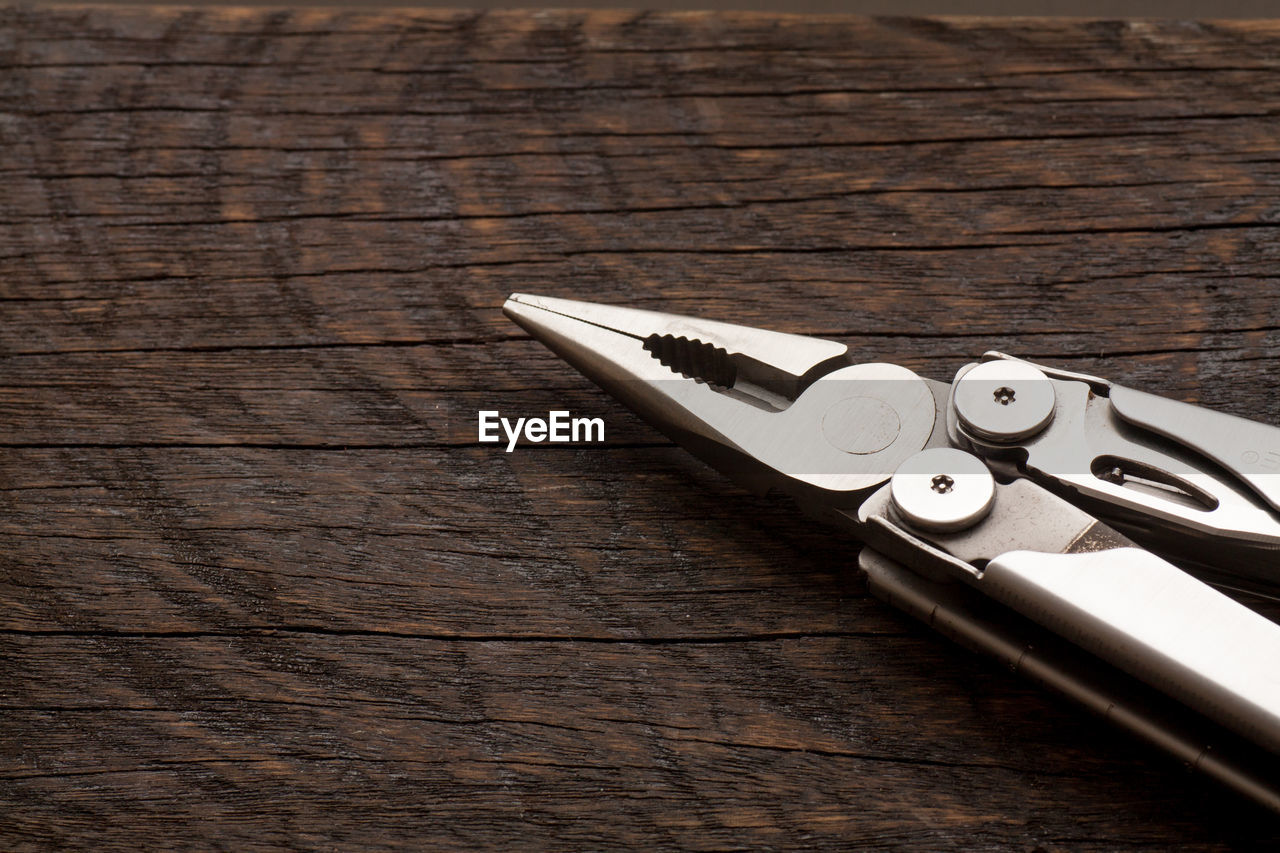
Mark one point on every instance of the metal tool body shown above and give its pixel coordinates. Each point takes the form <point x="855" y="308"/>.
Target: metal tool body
<point x="980" y="503"/>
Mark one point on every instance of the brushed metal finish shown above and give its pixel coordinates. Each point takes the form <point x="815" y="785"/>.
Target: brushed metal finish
<point x="956" y="612"/>
<point x="1087" y="428"/>
<point x="1246" y="448"/>
<point x="1157" y="623"/>
<point x="844" y="432"/>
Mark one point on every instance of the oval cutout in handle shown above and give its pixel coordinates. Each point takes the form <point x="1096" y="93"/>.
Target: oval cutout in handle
<point x="1246" y="448"/>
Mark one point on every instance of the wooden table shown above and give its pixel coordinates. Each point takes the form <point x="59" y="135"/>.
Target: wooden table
<point x="261" y="585"/>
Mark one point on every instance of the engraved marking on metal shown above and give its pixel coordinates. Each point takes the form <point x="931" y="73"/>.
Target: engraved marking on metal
<point x="1267" y="461"/>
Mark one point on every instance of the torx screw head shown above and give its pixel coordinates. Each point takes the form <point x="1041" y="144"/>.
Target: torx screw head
<point x="1003" y="401"/>
<point x="942" y="490"/>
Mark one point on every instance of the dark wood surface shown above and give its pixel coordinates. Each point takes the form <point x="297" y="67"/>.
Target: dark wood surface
<point x="261" y="586"/>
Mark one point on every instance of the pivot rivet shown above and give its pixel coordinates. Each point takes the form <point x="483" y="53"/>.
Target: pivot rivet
<point x="1004" y="401"/>
<point x="942" y="490"/>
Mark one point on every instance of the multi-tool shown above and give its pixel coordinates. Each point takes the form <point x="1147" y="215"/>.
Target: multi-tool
<point x="1002" y="509"/>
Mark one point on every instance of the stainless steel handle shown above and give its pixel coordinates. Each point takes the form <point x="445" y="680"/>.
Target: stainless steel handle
<point x="1159" y="624"/>
<point x="1139" y="462"/>
<point x="961" y="614"/>
<point x="1246" y="448"/>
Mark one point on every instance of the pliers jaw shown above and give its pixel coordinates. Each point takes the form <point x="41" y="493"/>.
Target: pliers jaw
<point x="769" y="409"/>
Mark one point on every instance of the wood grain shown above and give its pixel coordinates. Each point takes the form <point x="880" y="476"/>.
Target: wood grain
<point x="262" y="587"/>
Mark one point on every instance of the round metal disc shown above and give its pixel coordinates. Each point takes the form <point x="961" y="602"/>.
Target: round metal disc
<point x="849" y="431"/>
<point x="861" y="425"/>
<point x="1004" y="400"/>
<point x="943" y="490"/>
